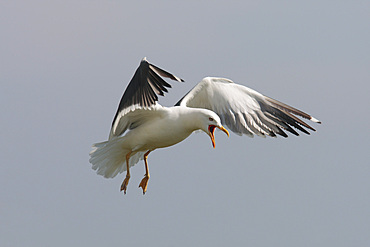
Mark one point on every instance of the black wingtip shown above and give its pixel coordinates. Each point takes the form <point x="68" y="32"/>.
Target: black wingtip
<point x="160" y="71"/>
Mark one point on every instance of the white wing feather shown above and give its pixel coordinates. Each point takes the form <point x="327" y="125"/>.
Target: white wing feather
<point x="132" y="117"/>
<point x="243" y="110"/>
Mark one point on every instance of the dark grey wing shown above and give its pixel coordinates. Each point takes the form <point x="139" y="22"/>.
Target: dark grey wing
<point x="142" y="91"/>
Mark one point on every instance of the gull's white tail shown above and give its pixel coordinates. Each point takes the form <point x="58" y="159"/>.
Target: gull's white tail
<point x="109" y="158"/>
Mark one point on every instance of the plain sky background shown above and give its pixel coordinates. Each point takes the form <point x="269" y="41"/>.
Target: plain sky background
<point x="65" y="64"/>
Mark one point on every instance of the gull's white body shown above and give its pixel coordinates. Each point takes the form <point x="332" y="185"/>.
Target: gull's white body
<point x="160" y="127"/>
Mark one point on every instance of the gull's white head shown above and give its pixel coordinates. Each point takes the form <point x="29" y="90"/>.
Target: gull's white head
<point x="210" y="121"/>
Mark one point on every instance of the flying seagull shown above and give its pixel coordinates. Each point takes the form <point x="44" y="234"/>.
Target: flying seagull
<point x="141" y="125"/>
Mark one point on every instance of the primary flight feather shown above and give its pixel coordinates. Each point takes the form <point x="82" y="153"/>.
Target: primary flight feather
<point x="141" y="125"/>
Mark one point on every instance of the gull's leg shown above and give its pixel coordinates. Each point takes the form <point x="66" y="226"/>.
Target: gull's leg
<point x="127" y="178"/>
<point x="144" y="182"/>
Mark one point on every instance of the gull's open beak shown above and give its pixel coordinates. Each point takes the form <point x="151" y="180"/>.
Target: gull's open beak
<point x="211" y="130"/>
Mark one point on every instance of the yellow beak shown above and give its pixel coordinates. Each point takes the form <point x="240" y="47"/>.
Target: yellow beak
<point x="211" y="129"/>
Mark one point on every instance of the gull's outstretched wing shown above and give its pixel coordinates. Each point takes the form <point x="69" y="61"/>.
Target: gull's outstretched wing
<point x="244" y="110"/>
<point x="141" y="93"/>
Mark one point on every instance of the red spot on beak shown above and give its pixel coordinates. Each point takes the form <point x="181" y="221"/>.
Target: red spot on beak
<point x="211" y="130"/>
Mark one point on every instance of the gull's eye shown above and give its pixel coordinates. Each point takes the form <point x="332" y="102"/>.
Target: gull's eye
<point x="210" y="119"/>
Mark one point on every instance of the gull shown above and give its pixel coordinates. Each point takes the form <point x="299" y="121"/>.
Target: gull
<point x="141" y="125"/>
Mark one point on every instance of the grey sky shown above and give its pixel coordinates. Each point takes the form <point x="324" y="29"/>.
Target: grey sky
<point x="65" y="64"/>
